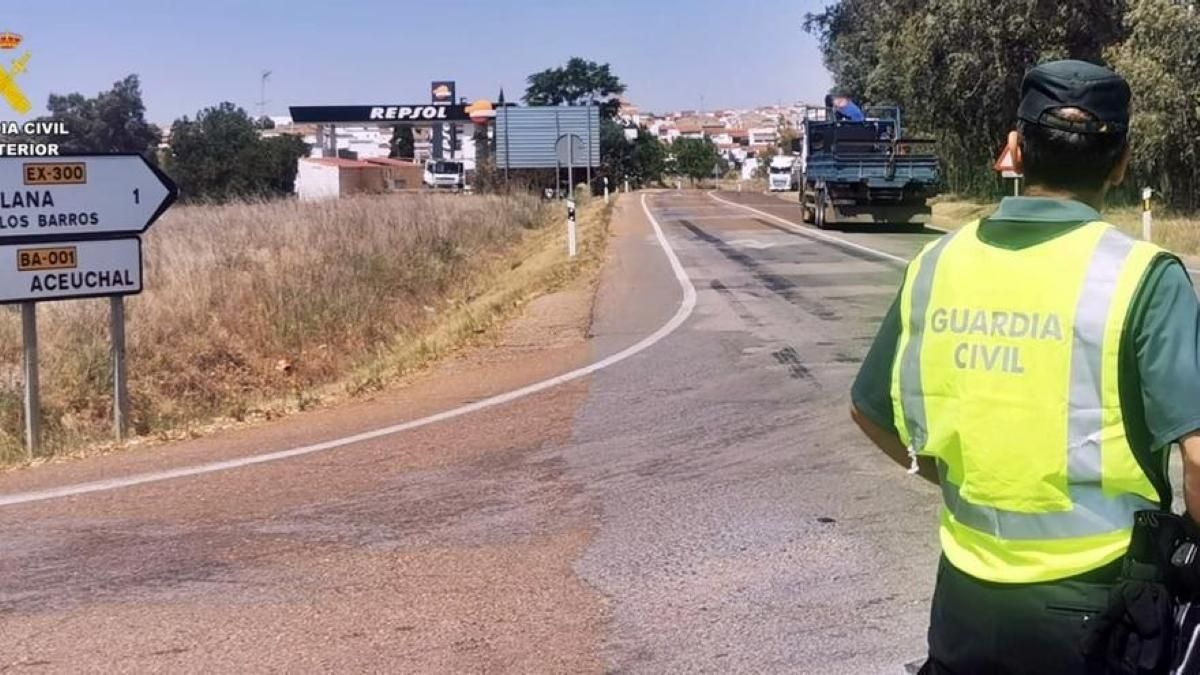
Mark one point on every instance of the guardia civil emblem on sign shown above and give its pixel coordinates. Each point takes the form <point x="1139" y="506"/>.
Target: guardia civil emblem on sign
<point x="9" y="89"/>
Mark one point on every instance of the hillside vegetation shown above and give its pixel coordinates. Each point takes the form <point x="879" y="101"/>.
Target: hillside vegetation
<point x="254" y="309"/>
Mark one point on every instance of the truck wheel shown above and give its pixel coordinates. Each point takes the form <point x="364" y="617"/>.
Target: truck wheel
<point x="820" y="209"/>
<point x="806" y="212"/>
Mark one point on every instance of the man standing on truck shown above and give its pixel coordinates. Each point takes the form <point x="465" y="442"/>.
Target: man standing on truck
<point x="1037" y="364"/>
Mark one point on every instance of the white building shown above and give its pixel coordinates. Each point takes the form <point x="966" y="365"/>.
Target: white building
<point x="749" y="167"/>
<point x="723" y="138"/>
<point x="329" y="177"/>
<point x="763" y="136"/>
<point x="364" y="141"/>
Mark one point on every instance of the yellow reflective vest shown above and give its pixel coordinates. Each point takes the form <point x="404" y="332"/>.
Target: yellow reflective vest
<point x="1006" y="374"/>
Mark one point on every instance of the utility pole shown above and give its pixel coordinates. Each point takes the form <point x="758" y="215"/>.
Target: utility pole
<point x="262" y="94"/>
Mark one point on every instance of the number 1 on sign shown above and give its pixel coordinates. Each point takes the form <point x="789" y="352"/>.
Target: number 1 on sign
<point x="137" y="197"/>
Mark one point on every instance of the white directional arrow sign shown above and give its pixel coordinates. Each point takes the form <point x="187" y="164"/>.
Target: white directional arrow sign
<point x="73" y="197"/>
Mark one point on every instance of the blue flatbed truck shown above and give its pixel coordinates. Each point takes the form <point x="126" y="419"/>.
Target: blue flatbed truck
<point x="857" y="167"/>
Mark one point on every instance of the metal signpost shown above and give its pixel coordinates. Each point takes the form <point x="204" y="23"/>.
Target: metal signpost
<point x="68" y="229"/>
<point x="569" y="147"/>
<point x="589" y="144"/>
<point x="606" y="189"/>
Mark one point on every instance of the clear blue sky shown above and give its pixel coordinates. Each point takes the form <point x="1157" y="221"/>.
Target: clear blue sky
<point x="195" y="53"/>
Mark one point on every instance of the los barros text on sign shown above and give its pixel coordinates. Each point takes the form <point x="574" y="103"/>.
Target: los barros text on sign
<point x="41" y="199"/>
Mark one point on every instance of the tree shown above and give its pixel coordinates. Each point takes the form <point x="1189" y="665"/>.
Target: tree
<point x="220" y="156"/>
<point x="579" y="82"/>
<point x="403" y="144"/>
<point x="1165" y="78"/>
<point x="696" y="158"/>
<point x="616" y="152"/>
<point x="889" y="52"/>
<point x="278" y="169"/>
<point x="641" y="160"/>
<point x="112" y="121"/>
<point x="649" y="159"/>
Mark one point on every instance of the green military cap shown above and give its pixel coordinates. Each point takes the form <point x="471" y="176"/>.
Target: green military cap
<point x="1075" y="84"/>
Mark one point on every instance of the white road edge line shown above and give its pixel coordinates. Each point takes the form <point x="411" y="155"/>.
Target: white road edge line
<point x="686" y="305"/>
<point x="812" y="234"/>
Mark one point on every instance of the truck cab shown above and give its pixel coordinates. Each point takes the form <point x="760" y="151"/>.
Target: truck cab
<point x="444" y="174"/>
<point x="779" y="174"/>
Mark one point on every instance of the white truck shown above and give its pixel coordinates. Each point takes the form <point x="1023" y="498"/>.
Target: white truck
<point x="444" y="174"/>
<point x="779" y="174"/>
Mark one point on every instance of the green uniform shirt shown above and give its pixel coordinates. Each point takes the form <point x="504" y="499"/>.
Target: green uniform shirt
<point x="1159" y="355"/>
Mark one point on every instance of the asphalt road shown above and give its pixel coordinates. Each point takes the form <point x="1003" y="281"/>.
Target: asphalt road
<point x="700" y="504"/>
<point x="747" y="527"/>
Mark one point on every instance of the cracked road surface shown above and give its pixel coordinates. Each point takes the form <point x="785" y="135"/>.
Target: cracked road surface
<point x="703" y="505"/>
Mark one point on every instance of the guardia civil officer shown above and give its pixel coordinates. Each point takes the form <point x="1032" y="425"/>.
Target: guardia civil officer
<point x="1037" y="364"/>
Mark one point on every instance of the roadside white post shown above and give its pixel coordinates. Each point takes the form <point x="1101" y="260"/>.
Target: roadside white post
<point x="120" y="385"/>
<point x="626" y="185"/>
<point x="606" y="189"/>
<point x="33" y="417"/>
<point x="1147" y="218"/>
<point x="571" y="228"/>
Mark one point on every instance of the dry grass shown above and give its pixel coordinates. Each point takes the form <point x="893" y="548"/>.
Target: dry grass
<point x="1176" y="233"/>
<point x="1180" y="234"/>
<point x="951" y="213"/>
<point x="252" y="310"/>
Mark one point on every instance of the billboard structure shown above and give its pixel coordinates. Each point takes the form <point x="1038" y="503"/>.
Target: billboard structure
<point x="535" y="137"/>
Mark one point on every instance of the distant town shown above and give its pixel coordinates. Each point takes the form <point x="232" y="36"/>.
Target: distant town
<point x="744" y="138"/>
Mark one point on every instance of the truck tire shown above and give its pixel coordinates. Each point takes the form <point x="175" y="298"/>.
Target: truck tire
<point x="819" y="219"/>
<point x="807" y="213"/>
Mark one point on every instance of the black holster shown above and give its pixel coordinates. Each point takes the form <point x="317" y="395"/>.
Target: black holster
<point x="1138" y="633"/>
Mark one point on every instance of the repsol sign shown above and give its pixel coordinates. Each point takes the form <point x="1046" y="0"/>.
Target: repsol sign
<point x="420" y="113"/>
<point x="405" y="112"/>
